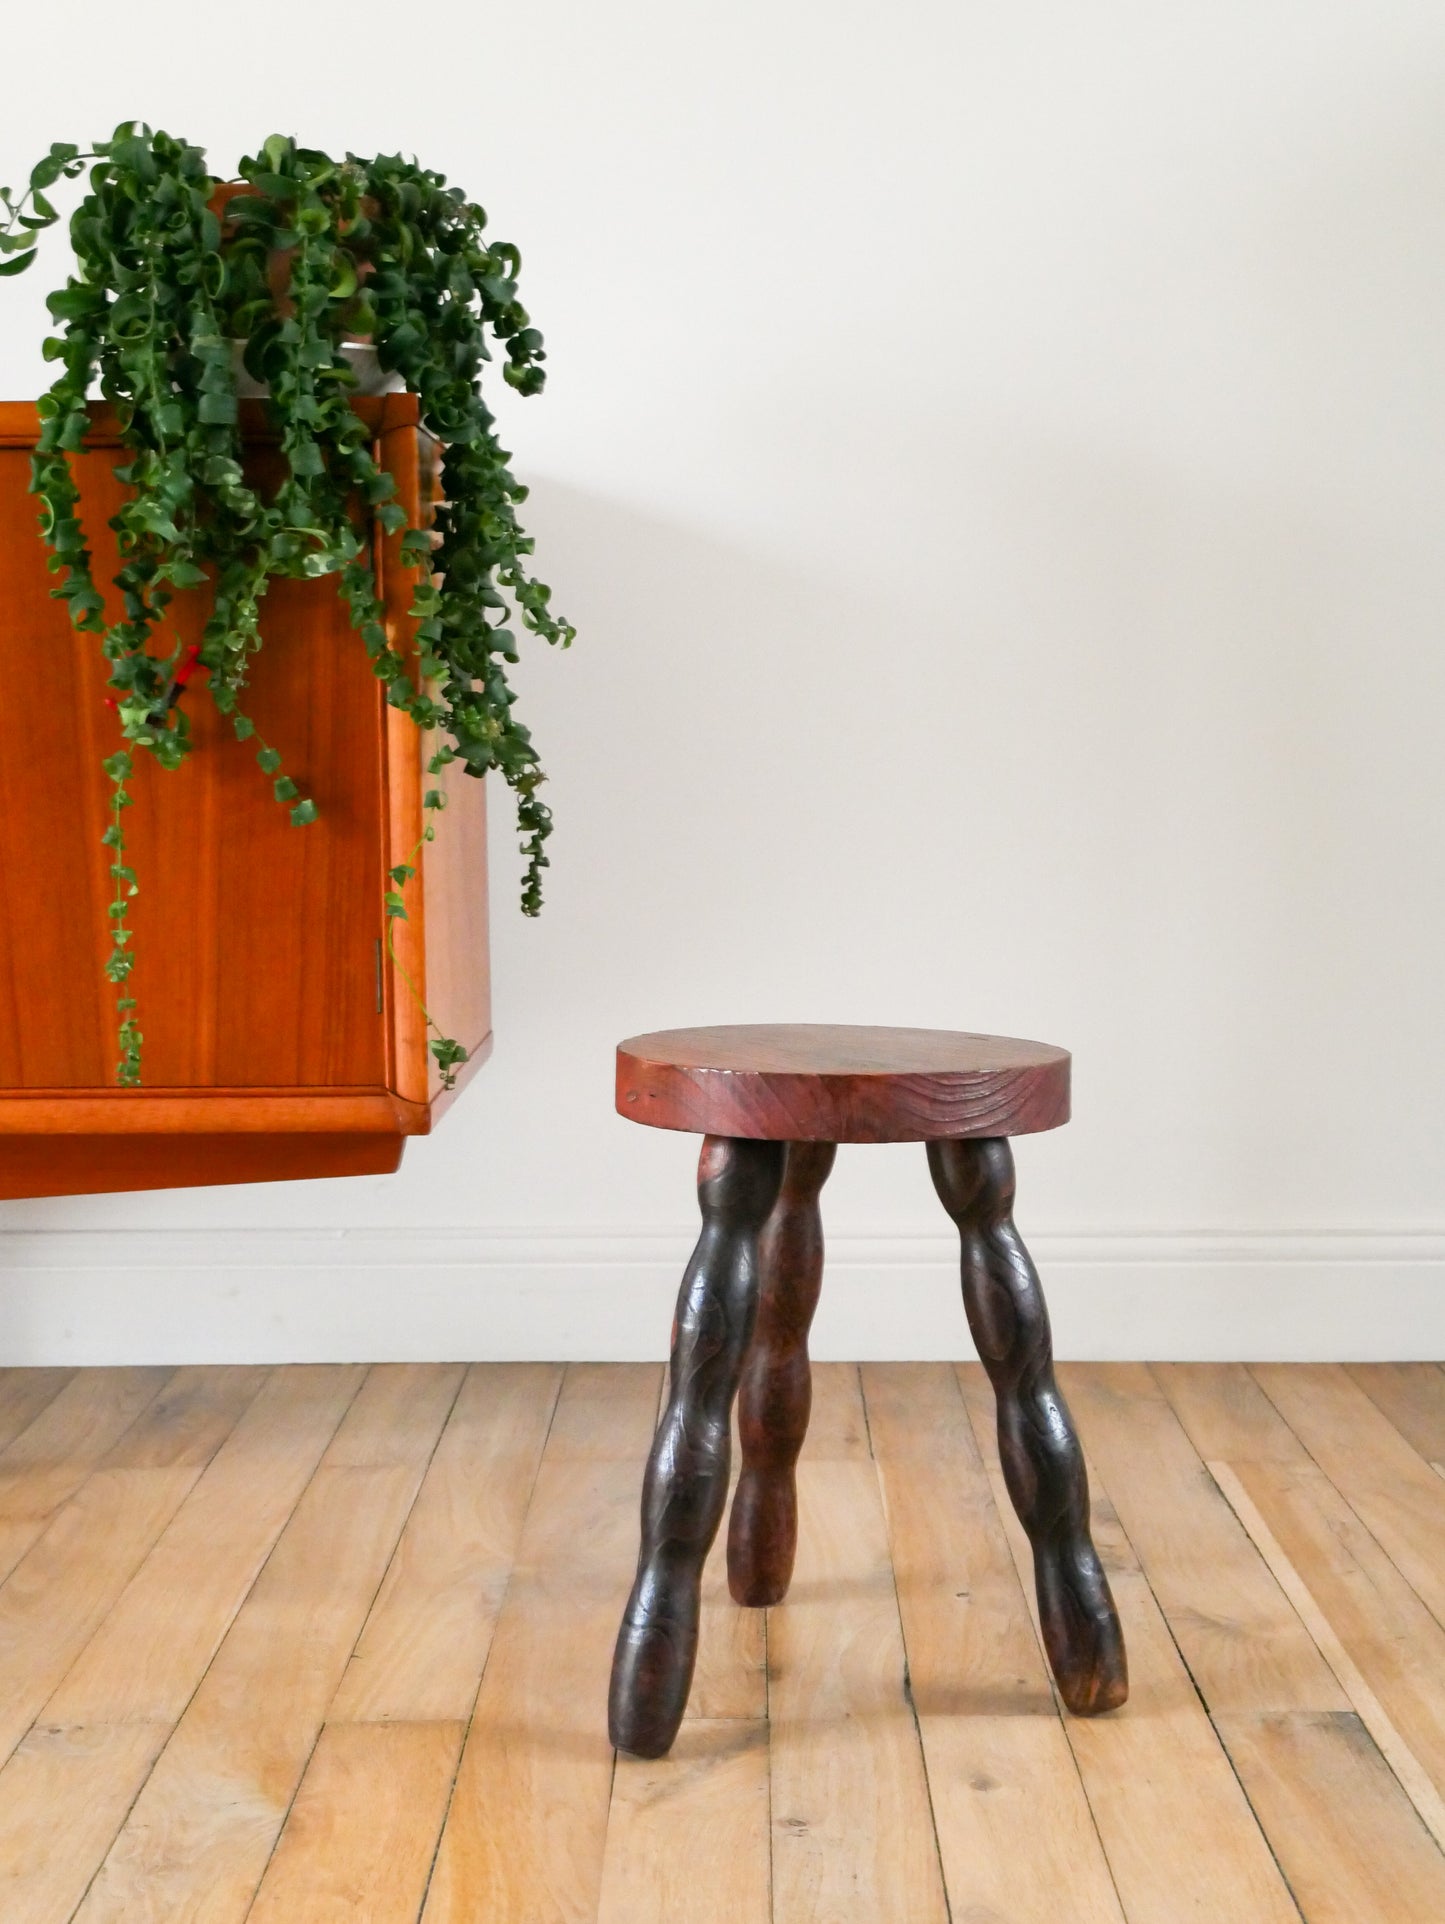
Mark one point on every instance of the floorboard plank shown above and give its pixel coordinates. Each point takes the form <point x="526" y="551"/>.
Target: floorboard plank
<point x="837" y="1425"/>
<point x="420" y="1656"/>
<point x="65" y="1794"/>
<point x="1353" y="1849"/>
<point x="1383" y="1644"/>
<point x="154" y="1647"/>
<point x="58" y="1595"/>
<point x="852" y="1830"/>
<point x="361" y="1834"/>
<point x="184" y="1426"/>
<point x="731" y="1678"/>
<point x="526" y="1830"/>
<point x="1129" y="1390"/>
<point x="1238" y="1633"/>
<point x="687" y="1835"/>
<point x="971" y="1649"/>
<point x="596" y="1417"/>
<point x="1394" y="1492"/>
<point x="1226" y="1414"/>
<point x="1015" y="1832"/>
<point x="64" y="1588"/>
<point x="198" y="1837"/>
<point x="104" y="1726"/>
<point x="24" y="1393"/>
<point x="1414" y="1779"/>
<point x="1412" y="1395"/>
<point x="53" y="1455"/>
<point x="1155" y="1769"/>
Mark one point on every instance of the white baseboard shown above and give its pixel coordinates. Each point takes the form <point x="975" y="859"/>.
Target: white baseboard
<point x="83" y="1297"/>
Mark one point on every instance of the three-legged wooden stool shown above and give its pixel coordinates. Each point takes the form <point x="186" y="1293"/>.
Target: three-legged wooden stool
<point x="772" y="1103"/>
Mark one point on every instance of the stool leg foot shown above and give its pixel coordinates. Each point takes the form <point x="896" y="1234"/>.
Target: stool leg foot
<point x="1043" y="1464"/>
<point x="776" y="1393"/>
<point x="686" y="1484"/>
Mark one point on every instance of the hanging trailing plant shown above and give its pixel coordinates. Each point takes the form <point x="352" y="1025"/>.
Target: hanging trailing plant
<point x="180" y="275"/>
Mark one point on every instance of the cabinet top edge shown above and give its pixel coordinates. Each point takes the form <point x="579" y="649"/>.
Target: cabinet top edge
<point x="382" y="413"/>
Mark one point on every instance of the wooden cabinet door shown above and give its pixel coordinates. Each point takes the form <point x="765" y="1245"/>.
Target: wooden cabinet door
<point x="256" y="942"/>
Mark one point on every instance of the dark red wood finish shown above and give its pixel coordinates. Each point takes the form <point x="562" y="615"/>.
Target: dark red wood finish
<point x="1043" y="1464"/>
<point x="776" y="1394"/>
<point x="816" y="1083"/>
<point x="685" y="1489"/>
<point x="748" y="1299"/>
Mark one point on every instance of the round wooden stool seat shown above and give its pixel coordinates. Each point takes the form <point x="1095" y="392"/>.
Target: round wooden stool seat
<point x="811" y="1082"/>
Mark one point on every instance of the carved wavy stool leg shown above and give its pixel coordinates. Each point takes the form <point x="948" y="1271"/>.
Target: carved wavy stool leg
<point x="686" y="1484"/>
<point x="1043" y="1464"/>
<point x="777" y="1387"/>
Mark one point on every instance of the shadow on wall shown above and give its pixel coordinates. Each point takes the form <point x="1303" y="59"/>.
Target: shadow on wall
<point x="1076" y="744"/>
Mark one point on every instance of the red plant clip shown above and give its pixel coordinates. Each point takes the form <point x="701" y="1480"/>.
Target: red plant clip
<point x="175" y="689"/>
<point x="185" y="671"/>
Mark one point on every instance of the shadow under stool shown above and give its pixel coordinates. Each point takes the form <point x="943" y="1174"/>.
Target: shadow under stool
<point x="771" y="1104"/>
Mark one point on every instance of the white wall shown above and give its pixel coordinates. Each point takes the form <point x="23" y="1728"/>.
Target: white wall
<point x="993" y="456"/>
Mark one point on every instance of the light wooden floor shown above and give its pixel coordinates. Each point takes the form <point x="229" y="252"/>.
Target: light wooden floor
<point x="328" y="1643"/>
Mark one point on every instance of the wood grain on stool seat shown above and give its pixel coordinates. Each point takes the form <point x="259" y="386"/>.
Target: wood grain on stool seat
<point x="815" y="1082"/>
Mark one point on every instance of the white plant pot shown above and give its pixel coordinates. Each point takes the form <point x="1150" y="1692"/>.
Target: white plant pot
<point x="364" y="361"/>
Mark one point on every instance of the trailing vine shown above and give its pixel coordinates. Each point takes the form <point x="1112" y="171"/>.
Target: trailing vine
<point x="120" y="961"/>
<point x="300" y="256"/>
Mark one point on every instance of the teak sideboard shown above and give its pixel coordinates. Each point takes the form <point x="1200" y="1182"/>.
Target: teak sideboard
<point x="280" y="1041"/>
